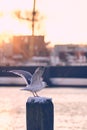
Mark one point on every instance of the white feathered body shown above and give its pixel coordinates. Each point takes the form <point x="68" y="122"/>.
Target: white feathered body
<point x="34" y="83"/>
<point x="35" y="87"/>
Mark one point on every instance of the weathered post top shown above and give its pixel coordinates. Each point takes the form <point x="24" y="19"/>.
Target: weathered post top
<point x="38" y="100"/>
<point x="39" y="113"/>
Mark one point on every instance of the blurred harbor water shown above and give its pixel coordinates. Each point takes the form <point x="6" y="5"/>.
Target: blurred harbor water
<point x="70" y="108"/>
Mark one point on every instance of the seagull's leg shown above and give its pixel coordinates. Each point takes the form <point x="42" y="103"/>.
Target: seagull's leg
<point x="36" y="94"/>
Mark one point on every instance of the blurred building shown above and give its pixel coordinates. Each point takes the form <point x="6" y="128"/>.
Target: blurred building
<point x="69" y="55"/>
<point x="29" y="46"/>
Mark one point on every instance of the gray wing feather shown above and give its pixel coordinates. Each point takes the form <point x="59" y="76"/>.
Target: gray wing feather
<point x="24" y="74"/>
<point x="37" y="76"/>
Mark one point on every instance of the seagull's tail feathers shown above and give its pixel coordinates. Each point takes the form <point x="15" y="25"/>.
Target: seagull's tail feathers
<point x="27" y="88"/>
<point x="23" y="88"/>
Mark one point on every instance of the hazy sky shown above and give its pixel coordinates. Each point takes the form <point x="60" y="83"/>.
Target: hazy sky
<point x="65" y="20"/>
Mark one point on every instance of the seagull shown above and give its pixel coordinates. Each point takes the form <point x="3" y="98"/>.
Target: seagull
<point x="34" y="82"/>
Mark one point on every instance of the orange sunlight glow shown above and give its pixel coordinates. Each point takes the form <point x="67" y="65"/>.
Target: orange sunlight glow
<point x="9" y="24"/>
<point x="65" y="20"/>
<point x="13" y="26"/>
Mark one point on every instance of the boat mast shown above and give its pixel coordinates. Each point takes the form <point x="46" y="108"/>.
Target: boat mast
<point x="33" y="17"/>
<point x="33" y="26"/>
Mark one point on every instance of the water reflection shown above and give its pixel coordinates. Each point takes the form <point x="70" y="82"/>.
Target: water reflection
<point x="11" y="109"/>
<point x="70" y="108"/>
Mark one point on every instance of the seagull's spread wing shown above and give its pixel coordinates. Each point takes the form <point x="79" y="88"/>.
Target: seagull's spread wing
<point x="37" y="76"/>
<point x="24" y="74"/>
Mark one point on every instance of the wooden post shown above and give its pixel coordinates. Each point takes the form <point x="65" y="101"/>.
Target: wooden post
<point x="39" y="113"/>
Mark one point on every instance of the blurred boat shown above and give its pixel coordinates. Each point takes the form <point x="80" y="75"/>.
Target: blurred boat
<point x="68" y="76"/>
<point x="58" y="76"/>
